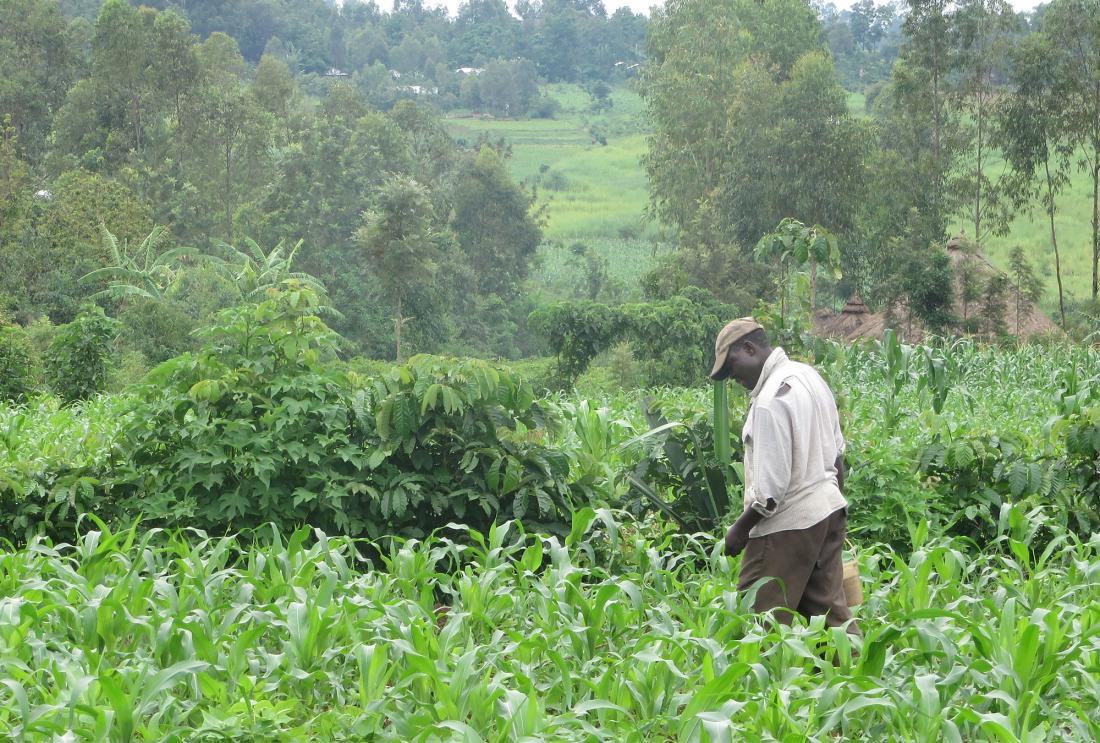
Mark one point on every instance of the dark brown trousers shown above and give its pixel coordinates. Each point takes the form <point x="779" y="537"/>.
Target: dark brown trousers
<point x="806" y="571"/>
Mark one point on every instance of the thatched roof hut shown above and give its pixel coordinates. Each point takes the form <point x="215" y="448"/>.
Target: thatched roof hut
<point x="1032" y="320"/>
<point x="854" y="321"/>
<point x="857" y="321"/>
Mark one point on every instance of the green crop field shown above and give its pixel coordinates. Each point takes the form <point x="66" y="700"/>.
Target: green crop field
<point x="537" y="567"/>
<point x="605" y="636"/>
<point x="588" y="188"/>
<point x="628" y="259"/>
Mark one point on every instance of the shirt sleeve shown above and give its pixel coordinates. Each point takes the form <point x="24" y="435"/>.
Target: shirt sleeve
<point x="838" y="437"/>
<point x="771" y="474"/>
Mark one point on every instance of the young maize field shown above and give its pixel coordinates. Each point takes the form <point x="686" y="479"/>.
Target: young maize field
<point x="605" y="635"/>
<point x="973" y="491"/>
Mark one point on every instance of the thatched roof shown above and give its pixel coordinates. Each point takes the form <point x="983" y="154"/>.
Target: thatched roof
<point x="1033" y="321"/>
<point x="857" y="321"/>
<point x="854" y="321"/>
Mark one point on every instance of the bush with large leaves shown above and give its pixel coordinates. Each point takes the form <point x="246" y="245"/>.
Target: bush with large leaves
<point x="257" y="427"/>
<point x="458" y="440"/>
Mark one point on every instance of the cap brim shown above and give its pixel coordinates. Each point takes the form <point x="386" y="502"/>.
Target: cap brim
<point x="719" y="363"/>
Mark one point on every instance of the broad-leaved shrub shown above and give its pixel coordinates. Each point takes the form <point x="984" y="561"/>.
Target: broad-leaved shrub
<point x="17" y="374"/>
<point x="79" y="356"/>
<point x="261" y="426"/>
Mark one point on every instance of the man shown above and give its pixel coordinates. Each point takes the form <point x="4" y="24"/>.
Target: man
<point x="795" y="520"/>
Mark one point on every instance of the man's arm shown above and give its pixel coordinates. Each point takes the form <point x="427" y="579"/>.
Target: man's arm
<point x="839" y="464"/>
<point x="771" y="475"/>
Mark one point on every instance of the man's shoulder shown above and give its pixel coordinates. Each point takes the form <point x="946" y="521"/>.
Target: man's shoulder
<point x="802" y="372"/>
<point x="792" y="383"/>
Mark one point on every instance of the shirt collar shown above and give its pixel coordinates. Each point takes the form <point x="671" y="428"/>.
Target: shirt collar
<point x="775" y="359"/>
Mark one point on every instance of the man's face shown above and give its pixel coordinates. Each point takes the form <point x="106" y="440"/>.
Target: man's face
<point x="744" y="363"/>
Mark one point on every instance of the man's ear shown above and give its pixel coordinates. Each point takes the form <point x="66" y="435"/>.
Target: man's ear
<point x="750" y="348"/>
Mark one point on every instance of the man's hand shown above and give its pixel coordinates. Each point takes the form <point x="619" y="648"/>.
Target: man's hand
<point x="737" y="538"/>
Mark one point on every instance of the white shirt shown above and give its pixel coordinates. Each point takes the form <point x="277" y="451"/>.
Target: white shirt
<point x="792" y="440"/>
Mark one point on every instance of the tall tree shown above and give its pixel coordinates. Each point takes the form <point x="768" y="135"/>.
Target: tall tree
<point x="39" y="60"/>
<point x="233" y="126"/>
<point x="122" y="66"/>
<point x="918" y="115"/>
<point x="397" y="236"/>
<point x="983" y="28"/>
<point x="15" y="182"/>
<point x="176" y="67"/>
<point x="750" y="127"/>
<point x="1074" y="27"/>
<point x="1032" y="131"/>
<point x="494" y="225"/>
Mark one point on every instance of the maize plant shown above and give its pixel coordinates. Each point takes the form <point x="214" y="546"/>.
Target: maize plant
<point x="143" y="635"/>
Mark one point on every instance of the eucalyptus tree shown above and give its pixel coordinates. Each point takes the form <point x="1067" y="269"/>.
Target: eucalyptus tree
<point x="1073" y="27"/>
<point x="984" y="31"/>
<point x="1032" y="130"/>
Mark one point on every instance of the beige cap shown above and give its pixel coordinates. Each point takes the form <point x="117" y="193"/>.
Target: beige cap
<point x="727" y="336"/>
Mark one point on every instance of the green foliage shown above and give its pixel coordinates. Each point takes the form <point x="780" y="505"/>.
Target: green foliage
<point x="146" y="272"/>
<point x="686" y="474"/>
<point x="461" y="441"/>
<point x="253" y="271"/>
<point x="795" y="245"/>
<point x="79" y="357"/>
<point x="577" y="331"/>
<point x="54" y="461"/>
<point x="398" y="239"/>
<point x="257" y="427"/>
<point x="737" y="107"/>
<point x="251" y="428"/>
<point x="1028" y="288"/>
<point x="494" y="225"/>
<point x="671" y="338"/>
<point x="17" y="365"/>
<point x="59" y="242"/>
<point x="608" y="634"/>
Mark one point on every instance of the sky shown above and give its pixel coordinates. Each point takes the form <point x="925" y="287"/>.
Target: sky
<point x="642" y="6"/>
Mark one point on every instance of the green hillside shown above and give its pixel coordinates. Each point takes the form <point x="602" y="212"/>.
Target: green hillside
<point x="592" y="193"/>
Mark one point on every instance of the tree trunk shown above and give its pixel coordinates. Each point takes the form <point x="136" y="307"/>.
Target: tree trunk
<point x="1095" y="186"/>
<point x="1095" y="222"/>
<point x="978" y="175"/>
<point x="398" y="322"/>
<point x="1054" y="243"/>
<point x="228" y="191"/>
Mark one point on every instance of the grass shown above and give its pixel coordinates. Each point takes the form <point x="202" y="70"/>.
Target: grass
<point x="628" y="259"/>
<point x="591" y="192"/>
<point x="588" y="189"/>
<point x="1031" y="231"/>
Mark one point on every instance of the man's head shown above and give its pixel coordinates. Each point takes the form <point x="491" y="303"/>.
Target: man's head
<point x="740" y="351"/>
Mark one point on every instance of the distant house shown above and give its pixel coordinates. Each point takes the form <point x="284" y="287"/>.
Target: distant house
<point x="395" y="74"/>
<point x="418" y="90"/>
<point x="333" y="72"/>
<point x="468" y="71"/>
